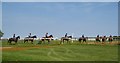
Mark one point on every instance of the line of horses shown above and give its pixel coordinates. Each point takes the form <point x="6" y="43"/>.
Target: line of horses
<point x="67" y="39"/>
<point x="97" y="39"/>
<point x="30" y="39"/>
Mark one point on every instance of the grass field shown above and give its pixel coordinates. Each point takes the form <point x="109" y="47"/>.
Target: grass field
<point x="55" y="52"/>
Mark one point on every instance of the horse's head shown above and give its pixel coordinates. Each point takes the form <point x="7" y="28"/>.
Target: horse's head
<point x="69" y="36"/>
<point x="18" y="37"/>
<point x="35" y="36"/>
<point x="51" y="36"/>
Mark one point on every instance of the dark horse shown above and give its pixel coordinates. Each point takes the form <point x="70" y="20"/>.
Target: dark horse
<point x="84" y="39"/>
<point x="30" y="39"/>
<point x="110" y="39"/>
<point x="104" y="39"/>
<point x="48" y="38"/>
<point x="65" y="39"/>
<point x="98" y="39"/>
<point x="13" y="39"/>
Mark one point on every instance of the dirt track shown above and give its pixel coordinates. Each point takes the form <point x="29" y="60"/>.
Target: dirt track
<point x="20" y="48"/>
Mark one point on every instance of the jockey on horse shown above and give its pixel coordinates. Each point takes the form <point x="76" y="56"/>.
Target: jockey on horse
<point x="82" y="36"/>
<point x="110" y="39"/>
<point x="46" y="38"/>
<point x="66" y="35"/>
<point x="46" y="35"/>
<point x="13" y="36"/>
<point x="15" y="39"/>
<point x="29" y="38"/>
<point x="67" y="38"/>
<point x="29" y="35"/>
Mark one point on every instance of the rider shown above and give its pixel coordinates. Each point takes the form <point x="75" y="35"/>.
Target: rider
<point x="29" y="35"/>
<point x="97" y="35"/>
<point x="46" y="35"/>
<point x="66" y="35"/>
<point x="13" y="36"/>
<point x="110" y="35"/>
<point x="83" y="36"/>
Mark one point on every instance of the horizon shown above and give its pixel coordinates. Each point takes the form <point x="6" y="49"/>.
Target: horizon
<point x="58" y="18"/>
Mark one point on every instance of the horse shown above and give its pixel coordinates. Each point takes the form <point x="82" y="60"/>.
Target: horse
<point x="26" y="39"/>
<point x="65" y="39"/>
<point x="84" y="39"/>
<point x="104" y="39"/>
<point x="98" y="39"/>
<point x="110" y="39"/>
<point x="13" y="39"/>
<point x="48" y="38"/>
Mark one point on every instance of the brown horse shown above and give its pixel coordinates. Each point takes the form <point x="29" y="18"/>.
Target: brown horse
<point x="104" y="39"/>
<point x="84" y="39"/>
<point x="30" y="39"/>
<point x="110" y="39"/>
<point x="13" y="39"/>
<point x="98" y="39"/>
<point x="65" y="39"/>
<point x="48" y="38"/>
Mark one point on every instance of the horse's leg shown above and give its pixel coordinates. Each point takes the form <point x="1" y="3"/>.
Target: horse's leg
<point x="8" y="42"/>
<point x="15" y="41"/>
<point x="99" y="41"/>
<point x="110" y="41"/>
<point x="103" y="41"/>
<point x="44" y="41"/>
<point x="79" y="40"/>
<point x="61" y="41"/>
<point x="67" y="41"/>
<point x="24" y="41"/>
<point x="32" y="41"/>
<point x="95" y="41"/>
<point x="48" y="41"/>
<point x="85" y="41"/>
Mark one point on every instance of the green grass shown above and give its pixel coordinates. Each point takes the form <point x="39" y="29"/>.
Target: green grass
<point x="64" y="52"/>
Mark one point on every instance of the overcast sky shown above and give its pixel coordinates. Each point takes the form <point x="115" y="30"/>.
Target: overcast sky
<point x="75" y="18"/>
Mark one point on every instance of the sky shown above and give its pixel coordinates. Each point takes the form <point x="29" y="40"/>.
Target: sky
<point x="58" y="18"/>
<point x="0" y="15"/>
<point x="60" y="0"/>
